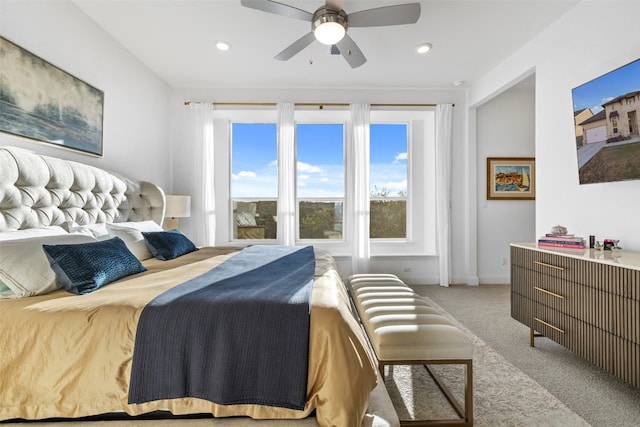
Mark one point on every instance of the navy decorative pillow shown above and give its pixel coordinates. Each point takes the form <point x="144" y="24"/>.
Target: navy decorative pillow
<point x="83" y="268"/>
<point x="166" y="245"/>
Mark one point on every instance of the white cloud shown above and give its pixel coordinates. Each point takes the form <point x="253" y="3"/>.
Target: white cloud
<point x="328" y="184"/>
<point x="306" y="167"/>
<point x="245" y="174"/>
<point x="399" y="158"/>
<point x="303" y="177"/>
<point x="273" y="163"/>
<point x="397" y="185"/>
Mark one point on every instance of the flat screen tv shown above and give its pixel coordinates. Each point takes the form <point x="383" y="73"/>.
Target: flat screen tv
<point x="606" y="114"/>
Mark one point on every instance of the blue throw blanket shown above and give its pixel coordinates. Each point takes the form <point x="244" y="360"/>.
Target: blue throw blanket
<point x="238" y="334"/>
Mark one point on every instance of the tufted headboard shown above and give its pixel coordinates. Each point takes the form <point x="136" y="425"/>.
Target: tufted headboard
<point x="39" y="191"/>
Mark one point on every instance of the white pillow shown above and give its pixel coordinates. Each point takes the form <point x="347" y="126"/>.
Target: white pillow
<point x="53" y="230"/>
<point x="131" y="234"/>
<point x="24" y="267"/>
<point x="95" y="230"/>
<point x="246" y="219"/>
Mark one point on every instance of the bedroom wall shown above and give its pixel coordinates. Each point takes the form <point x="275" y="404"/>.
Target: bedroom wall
<point x="505" y="128"/>
<point x="593" y="38"/>
<point x="136" y="101"/>
<point x="424" y="270"/>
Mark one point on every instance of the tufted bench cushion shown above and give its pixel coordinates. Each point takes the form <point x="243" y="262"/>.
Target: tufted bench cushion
<point x="405" y="329"/>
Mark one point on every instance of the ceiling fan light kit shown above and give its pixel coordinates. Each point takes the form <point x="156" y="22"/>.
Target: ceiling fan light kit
<point x="329" y="24"/>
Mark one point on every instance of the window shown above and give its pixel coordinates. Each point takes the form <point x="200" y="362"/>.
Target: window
<point x="402" y="179"/>
<point x="254" y="180"/>
<point x="410" y="178"/>
<point x="388" y="181"/>
<point x="320" y="180"/>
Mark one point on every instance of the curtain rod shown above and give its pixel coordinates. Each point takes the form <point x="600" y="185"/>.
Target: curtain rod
<point x="320" y="105"/>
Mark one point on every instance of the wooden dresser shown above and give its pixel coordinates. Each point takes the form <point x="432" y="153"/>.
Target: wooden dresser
<point x="586" y="300"/>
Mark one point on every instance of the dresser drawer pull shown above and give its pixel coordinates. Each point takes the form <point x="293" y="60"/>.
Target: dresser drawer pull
<point x="548" y="292"/>
<point x="544" y="264"/>
<point x="549" y="325"/>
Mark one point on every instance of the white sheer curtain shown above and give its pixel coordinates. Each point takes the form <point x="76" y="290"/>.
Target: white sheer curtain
<point x="359" y="156"/>
<point x="443" y="190"/>
<point x="286" y="174"/>
<point x="203" y="214"/>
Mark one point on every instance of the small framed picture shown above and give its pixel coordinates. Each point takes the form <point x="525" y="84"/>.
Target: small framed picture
<point x="511" y="178"/>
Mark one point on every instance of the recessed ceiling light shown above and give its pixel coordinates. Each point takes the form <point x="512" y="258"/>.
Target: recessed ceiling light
<point x="223" y="45"/>
<point x="458" y="83"/>
<point x="423" y="48"/>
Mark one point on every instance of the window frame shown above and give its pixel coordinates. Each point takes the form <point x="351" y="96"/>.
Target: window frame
<point x="224" y="118"/>
<point x="326" y="116"/>
<point x="421" y="198"/>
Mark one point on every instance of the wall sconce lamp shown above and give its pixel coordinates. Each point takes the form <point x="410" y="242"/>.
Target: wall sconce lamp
<point x="176" y="207"/>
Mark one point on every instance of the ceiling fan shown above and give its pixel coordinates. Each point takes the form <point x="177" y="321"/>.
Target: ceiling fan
<point x="329" y="24"/>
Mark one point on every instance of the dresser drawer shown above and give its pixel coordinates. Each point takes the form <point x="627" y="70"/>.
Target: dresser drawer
<point x="522" y="309"/>
<point x="541" y="318"/>
<point x="558" y="266"/>
<point x="625" y="315"/>
<point x="548" y="290"/>
<point x="554" y="325"/>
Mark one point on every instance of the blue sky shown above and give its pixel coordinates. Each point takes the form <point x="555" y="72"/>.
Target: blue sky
<point x="320" y="156"/>
<point x="611" y="85"/>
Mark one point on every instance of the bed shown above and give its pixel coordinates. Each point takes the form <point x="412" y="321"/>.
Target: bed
<point x="67" y="356"/>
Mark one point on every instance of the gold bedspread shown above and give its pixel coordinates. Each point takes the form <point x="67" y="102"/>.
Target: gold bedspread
<point x="65" y="355"/>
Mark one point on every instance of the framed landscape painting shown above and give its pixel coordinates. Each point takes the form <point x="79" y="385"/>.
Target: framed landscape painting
<point x="42" y="102"/>
<point x="511" y="178"/>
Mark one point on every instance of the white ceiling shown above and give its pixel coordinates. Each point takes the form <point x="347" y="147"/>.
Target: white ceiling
<point x="176" y="39"/>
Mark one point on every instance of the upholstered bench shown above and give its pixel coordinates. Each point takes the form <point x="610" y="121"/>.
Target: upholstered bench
<point x="404" y="329"/>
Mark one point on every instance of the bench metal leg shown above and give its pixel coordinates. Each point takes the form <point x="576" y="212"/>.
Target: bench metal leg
<point x="465" y="414"/>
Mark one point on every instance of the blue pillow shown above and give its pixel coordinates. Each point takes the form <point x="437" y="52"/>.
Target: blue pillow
<point x="166" y="245"/>
<point x="83" y="268"/>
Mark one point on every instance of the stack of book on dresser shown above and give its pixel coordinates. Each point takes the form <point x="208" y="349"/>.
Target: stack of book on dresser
<point x="566" y="241"/>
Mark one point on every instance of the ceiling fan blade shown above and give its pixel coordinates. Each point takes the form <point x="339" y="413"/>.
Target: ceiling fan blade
<point x="351" y="52"/>
<point x="388" y="15"/>
<point x="296" y="47"/>
<point x="278" y="9"/>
